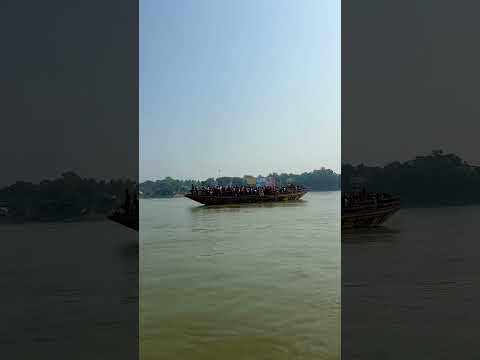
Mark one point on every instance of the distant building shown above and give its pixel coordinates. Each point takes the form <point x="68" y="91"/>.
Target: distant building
<point x="250" y="180"/>
<point x="261" y="181"/>
<point x="270" y="181"/>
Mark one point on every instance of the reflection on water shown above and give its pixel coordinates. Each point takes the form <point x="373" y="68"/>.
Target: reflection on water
<point x="257" y="281"/>
<point x="410" y="289"/>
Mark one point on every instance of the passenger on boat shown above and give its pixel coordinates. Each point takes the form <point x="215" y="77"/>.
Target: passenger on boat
<point x="126" y="204"/>
<point x="135" y="205"/>
<point x="244" y="190"/>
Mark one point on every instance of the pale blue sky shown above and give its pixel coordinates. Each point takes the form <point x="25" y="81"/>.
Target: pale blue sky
<point x="245" y="87"/>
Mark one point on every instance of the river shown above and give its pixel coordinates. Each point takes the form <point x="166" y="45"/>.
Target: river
<point x="410" y="289"/>
<point x="69" y="291"/>
<point x="243" y="282"/>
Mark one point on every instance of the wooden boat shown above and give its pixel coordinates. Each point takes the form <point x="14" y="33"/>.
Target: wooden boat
<point x="369" y="214"/>
<point x="125" y="219"/>
<point x="245" y="199"/>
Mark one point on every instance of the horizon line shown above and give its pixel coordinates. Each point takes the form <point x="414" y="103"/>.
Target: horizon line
<point x="242" y="176"/>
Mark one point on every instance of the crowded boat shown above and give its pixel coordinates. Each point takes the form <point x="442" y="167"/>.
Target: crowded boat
<point x="367" y="209"/>
<point x="220" y="195"/>
<point x="127" y="214"/>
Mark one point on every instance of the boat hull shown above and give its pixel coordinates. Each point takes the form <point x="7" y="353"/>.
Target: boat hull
<point x="369" y="217"/>
<point x="130" y="221"/>
<point x="244" y="199"/>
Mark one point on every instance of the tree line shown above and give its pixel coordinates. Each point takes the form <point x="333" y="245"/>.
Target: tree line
<point x="317" y="180"/>
<point x="64" y="197"/>
<point x="437" y="179"/>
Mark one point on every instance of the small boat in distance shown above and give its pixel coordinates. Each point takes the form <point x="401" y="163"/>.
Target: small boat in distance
<point x="362" y="210"/>
<point x="245" y="195"/>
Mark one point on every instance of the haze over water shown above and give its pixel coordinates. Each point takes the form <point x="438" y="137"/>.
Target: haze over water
<point x="245" y="282"/>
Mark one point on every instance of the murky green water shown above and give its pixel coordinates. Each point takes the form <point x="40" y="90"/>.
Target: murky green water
<point x="410" y="289"/>
<point x="247" y="282"/>
<point x="69" y="291"/>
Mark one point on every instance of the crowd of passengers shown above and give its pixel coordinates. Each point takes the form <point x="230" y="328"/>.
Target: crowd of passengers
<point x="362" y="198"/>
<point x="244" y="190"/>
<point x="130" y="206"/>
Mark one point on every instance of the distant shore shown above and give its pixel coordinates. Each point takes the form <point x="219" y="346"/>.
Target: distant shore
<point x="316" y="180"/>
<point x="180" y="195"/>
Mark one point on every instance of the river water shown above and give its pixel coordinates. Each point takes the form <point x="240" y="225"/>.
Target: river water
<point x="411" y="289"/>
<point x="244" y="282"/>
<point x="69" y="291"/>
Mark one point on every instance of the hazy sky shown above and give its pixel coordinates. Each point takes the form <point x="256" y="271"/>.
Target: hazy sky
<point x="69" y="87"/>
<point x="410" y="80"/>
<point x="244" y="87"/>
